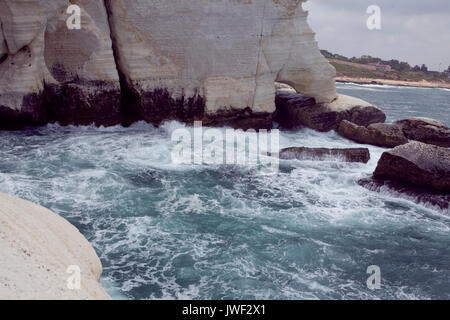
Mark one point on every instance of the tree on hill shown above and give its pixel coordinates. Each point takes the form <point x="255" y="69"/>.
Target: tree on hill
<point x="327" y="54"/>
<point x="395" y="64"/>
<point x="340" y="57"/>
<point x="404" y="67"/>
<point x="400" y="66"/>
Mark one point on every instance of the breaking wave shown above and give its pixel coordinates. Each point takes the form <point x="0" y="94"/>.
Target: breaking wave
<point x="165" y="231"/>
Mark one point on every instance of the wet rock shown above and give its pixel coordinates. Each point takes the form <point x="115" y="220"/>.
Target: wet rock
<point x="416" y="163"/>
<point x="240" y="119"/>
<point x="426" y="130"/>
<point x="414" y="193"/>
<point x="323" y="154"/>
<point x="295" y="110"/>
<point x="32" y="113"/>
<point x="159" y="105"/>
<point x="83" y="103"/>
<point x="363" y="115"/>
<point x="377" y="134"/>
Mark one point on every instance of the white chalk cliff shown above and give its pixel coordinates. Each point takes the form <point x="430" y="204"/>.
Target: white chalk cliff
<point x="49" y="72"/>
<point x="177" y="59"/>
<point x="37" y="249"/>
<point x="230" y="53"/>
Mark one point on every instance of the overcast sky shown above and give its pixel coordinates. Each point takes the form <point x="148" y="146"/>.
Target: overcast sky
<point x="416" y="31"/>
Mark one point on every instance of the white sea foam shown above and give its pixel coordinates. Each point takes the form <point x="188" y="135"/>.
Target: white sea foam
<point x="167" y="231"/>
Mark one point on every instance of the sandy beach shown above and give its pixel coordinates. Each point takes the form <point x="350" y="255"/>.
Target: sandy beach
<point x="416" y="84"/>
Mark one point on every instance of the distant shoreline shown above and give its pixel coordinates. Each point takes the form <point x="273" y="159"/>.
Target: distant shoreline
<point x="400" y="83"/>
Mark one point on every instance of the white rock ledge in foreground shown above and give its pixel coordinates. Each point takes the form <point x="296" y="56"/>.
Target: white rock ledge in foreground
<point x="36" y="248"/>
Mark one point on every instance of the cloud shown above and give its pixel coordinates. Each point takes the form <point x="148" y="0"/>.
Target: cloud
<point x="412" y="30"/>
<point x="400" y="7"/>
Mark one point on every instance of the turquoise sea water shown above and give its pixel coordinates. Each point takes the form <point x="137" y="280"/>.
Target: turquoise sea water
<point x="404" y="102"/>
<point x="166" y="231"/>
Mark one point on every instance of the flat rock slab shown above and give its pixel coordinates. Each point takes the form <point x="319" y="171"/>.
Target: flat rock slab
<point x="377" y="134"/>
<point x="295" y="110"/>
<point x="426" y="130"/>
<point x="323" y="154"/>
<point x="417" y="163"/>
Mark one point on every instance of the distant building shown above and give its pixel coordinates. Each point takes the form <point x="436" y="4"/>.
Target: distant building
<point x="447" y="73"/>
<point x="381" y="67"/>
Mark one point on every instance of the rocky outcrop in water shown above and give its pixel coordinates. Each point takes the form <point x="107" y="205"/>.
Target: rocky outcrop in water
<point x="426" y="130"/>
<point x="155" y="60"/>
<point x="417" y="163"/>
<point x="37" y="250"/>
<point x="294" y="110"/>
<point x="378" y="134"/>
<point x="323" y="154"/>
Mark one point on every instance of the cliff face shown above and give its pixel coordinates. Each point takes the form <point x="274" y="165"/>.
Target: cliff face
<point x="211" y="60"/>
<point x="51" y="73"/>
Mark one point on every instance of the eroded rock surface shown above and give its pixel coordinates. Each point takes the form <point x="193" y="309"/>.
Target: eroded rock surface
<point x="210" y="59"/>
<point x="323" y="154"/>
<point x="51" y="73"/>
<point x="377" y="134"/>
<point x="297" y="110"/>
<point x="417" y="163"/>
<point x="215" y="61"/>
<point x="426" y="130"/>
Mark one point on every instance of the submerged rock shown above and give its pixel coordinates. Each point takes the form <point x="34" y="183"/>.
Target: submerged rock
<point x="347" y="155"/>
<point x="377" y="134"/>
<point x="295" y="110"/>
<point x="37" y="250"/>
<point x="417" y="163"/>
<point x="426" y="130"/>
